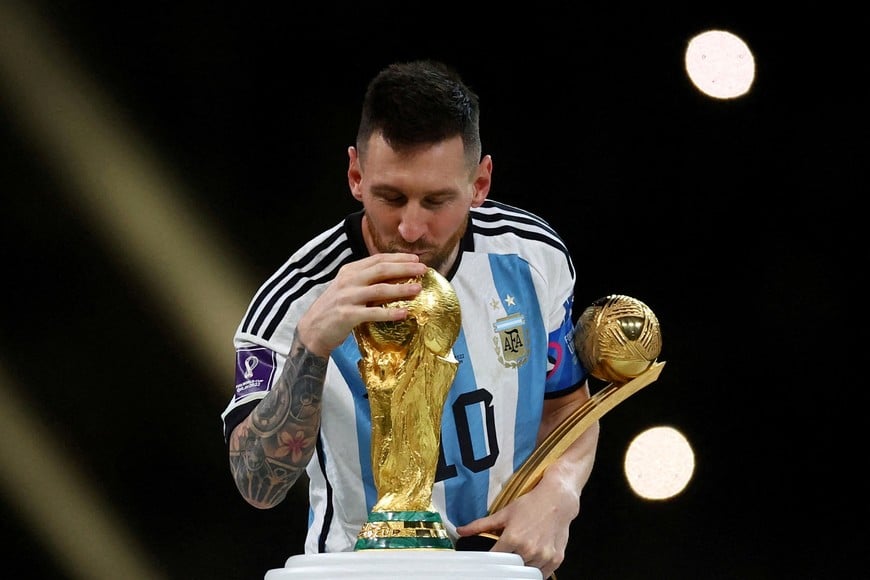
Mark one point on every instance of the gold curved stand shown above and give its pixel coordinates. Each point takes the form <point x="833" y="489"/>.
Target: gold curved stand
<point x="529" y="474"/>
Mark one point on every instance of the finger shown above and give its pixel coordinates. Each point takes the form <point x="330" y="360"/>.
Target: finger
<point x="503" y="545"/>
<point x="391" y="294"/>
<point x="485" y="524"/>
<point x="367" y="272"/>
<point x="392" y="257"/>
<point x="395" y="271"/>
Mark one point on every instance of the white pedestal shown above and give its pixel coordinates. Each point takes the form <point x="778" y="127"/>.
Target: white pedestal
<point x="405" y="565"/>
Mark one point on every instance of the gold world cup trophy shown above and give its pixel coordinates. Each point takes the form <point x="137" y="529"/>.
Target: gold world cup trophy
<point x="407" y="367"/>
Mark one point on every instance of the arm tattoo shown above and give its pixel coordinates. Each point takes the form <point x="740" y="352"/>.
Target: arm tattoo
<point x="270" y="449"/>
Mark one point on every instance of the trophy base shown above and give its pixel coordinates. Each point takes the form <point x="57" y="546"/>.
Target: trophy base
<point x="404" y="530"/>
<point x="405" y="565"/>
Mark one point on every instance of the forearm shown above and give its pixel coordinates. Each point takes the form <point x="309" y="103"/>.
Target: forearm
<point x="571" y="471"/>
<point x="573" y="468"/>
<point x="270" y="449"/>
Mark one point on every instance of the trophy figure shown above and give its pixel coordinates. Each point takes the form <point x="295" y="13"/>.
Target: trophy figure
<point x="407" y="367"/>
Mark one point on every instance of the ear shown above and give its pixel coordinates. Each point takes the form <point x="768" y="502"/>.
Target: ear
<point x="354" y="173"/>
<point x="482" y="181"/>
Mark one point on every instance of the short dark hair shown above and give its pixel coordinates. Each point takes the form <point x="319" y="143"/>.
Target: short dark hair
<point x="419" y="103"/>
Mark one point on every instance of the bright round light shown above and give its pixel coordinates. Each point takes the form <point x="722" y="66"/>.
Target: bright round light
<point x="659" y="463"/>
<point x="720" y="64"/>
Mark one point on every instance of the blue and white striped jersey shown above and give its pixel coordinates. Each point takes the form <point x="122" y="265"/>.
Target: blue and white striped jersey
<point x="514" y="279"/>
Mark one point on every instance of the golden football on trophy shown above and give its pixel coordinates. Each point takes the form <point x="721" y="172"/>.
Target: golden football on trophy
<point x="617" y="338"/>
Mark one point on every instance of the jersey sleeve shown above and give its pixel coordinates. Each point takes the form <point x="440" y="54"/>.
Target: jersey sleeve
<point x="565" y="373"/>
<point x="265" y="333"/>
<point x="256" y="370"/>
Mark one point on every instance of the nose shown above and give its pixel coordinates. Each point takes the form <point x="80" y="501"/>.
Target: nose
<point x="412" y="226"/>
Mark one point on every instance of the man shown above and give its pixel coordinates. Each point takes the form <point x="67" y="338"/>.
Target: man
<point x="300" y="403"/>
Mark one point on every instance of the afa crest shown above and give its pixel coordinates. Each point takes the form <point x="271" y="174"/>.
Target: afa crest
<point x="510" y="340"/>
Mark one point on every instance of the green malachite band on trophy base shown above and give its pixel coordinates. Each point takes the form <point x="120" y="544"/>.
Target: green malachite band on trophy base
<point x="405" y="517"/>
<point x="403" y="544"/>
<point x="404" y="530"/>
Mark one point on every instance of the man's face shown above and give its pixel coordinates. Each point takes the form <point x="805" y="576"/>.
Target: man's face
<point x="418" y="201"/>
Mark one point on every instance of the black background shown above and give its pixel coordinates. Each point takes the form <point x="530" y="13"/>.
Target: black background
<point x="736" y="221"/>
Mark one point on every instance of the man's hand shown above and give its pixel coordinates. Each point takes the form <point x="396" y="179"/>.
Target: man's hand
<point x="535" y="525"/>
<point x="355" y="296"/>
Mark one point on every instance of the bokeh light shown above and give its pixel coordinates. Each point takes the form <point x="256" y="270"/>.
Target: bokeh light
<point x="659" y="463"/>
<point x="720" y="64"/>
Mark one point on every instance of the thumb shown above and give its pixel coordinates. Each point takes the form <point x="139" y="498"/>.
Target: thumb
<point x="485" y="524"/>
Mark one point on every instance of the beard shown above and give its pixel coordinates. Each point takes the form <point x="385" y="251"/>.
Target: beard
<point x="434" y="256"/>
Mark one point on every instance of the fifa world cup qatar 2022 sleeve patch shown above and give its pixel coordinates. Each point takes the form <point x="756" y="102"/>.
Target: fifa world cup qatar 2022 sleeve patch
<point x="255" y="370"/>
